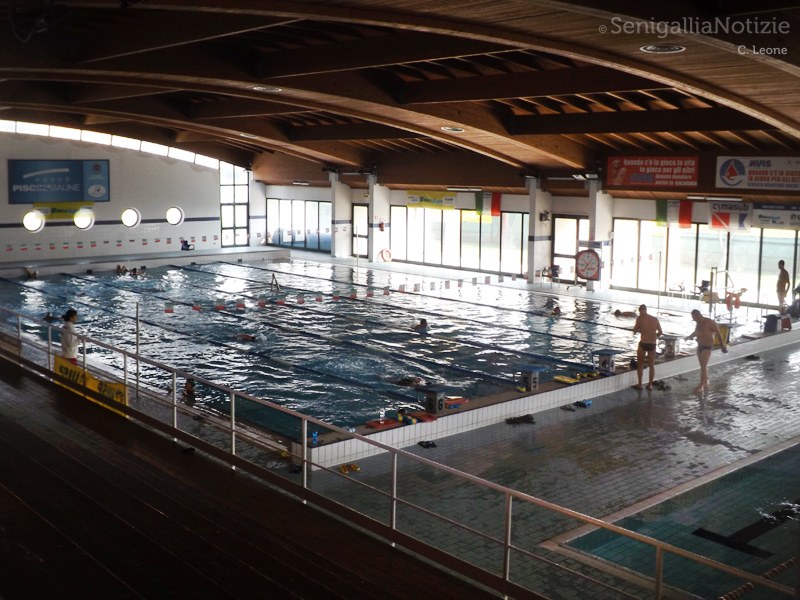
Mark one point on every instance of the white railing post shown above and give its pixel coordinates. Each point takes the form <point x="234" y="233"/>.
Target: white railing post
<point x="174" y="402"/>
<point x="233" y="427"/>
<point x="393" y="495"/>
<point x="507" y="538"/>
<point x="304" y="451"/>
<point x="50" y="361"/>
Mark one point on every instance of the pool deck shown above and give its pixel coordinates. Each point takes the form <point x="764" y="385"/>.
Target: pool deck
<point x="629" y="450"/>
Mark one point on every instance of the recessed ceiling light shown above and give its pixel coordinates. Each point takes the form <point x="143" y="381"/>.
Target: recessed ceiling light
<point x="662" y="48"/>
<point x="451" y="129"/>
<point x="267" y="88"/>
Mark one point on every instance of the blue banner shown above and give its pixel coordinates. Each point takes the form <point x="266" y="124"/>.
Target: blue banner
<point x="33" y="181"/>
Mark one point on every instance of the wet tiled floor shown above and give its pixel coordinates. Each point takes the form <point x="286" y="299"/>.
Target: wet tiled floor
<point x="628" y="450"/>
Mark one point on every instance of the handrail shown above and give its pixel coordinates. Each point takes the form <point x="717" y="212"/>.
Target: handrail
<point x="306" y="458"/>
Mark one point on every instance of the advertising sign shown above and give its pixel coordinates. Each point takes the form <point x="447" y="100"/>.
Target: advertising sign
<point x="729" y="215"/>
<point x="32" y="181"/>
<point x="776" y="216"/>
<point x="758" y="173"/>
<point x="652" y="171"/>
<point x="440" y="200"/>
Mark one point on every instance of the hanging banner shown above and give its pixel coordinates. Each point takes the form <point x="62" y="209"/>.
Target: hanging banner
<point x="776" y="216"/>
<point x="440" y="200"/>
<point x="652" y="171"/>
<point x="758" y="173"/>
<point x="729" y="216"/>
<point x="31" y="181"/>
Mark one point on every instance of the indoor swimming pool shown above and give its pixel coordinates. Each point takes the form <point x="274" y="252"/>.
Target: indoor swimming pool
<point x="334" y="342"/>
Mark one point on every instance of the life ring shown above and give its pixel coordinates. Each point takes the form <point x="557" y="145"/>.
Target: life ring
<point x="385" y="255"/>
<point x="729" y="301"/>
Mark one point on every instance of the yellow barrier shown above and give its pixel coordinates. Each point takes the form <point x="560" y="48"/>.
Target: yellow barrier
<point x="116" y="392"/>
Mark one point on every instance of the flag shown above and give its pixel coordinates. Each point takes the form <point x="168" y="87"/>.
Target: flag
<point x="488" y="203"/>
<point x="674" y="212"/>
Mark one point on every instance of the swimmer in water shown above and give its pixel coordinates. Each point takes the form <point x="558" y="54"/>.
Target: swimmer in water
<point x="188" y="392"/>
<point x="620" y="314"/>
<point x="409" y="381"/>
<point x="422" y="326"/>
<point x="556" y="312"/>
<point x="245" y="337"/>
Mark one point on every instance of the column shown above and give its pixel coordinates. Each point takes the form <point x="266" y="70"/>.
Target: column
<point x="378" y="215"/>
<point x="341" y="218"/>
<point x="600" y="206"/>
<point x="540" y="228"/>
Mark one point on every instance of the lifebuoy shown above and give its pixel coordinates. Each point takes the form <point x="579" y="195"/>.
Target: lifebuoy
<point x="385" y="255"/>
<point x="737" y="301"/>
<point x="729" y="301"/>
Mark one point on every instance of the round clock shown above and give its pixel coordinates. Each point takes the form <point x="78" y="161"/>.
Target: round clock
<point x="587" y="265"/>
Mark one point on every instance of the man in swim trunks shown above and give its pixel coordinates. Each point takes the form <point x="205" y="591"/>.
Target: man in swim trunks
<point x="783" y="285"/>
<point x="704" y="332"/>
<point x="650" y="329"/>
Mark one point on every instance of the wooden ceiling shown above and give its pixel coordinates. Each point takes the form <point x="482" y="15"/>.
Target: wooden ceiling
<point x="298" y="90"/>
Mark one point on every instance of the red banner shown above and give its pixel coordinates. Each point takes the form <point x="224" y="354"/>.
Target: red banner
<point x="652" y="171"/>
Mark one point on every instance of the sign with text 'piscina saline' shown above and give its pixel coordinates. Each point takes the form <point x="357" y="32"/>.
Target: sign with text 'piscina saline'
<point x="32" y="181"/>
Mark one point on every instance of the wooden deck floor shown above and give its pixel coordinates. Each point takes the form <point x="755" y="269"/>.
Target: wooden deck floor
<point x="94" y="506"/>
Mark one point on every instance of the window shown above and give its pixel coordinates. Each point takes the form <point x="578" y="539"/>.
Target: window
<point x="131" y="217"/>
<point x="175" y="215"/>
<point x="234" y="199"/>
<point x="33" y="221"/>
<point x="84" y="218"/>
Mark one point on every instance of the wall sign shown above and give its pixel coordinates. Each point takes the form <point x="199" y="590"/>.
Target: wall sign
<point x="36" y="181"/>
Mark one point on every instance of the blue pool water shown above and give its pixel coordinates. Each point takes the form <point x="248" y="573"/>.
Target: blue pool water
<point x="333" y="359"/>
<point x="735" y="520"/>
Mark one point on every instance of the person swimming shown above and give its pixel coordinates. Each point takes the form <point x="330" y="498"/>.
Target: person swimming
<point x="245" y="337"/>
<point x="422" y="326"/>
<point x="625" y="313"/>
<point x="409" y="381"/>
<point x="556" y="312"/>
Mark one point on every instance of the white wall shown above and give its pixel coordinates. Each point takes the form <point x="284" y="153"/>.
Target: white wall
<point x="144" y="181"/>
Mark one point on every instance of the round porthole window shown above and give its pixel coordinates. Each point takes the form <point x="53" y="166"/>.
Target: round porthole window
<point x="33" y="221"/>
<point x="174" y="216"/>
<point x="84" y="218"/>
<point x="131" y="217"/>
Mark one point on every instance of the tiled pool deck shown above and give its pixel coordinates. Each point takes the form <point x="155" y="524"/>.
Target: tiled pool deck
<point x="629" y="450"/>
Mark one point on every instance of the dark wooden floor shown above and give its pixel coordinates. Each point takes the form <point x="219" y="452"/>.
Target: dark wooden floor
<point x="94" y="506"/>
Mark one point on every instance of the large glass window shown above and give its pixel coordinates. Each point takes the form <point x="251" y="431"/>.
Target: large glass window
<point x="743" y="264"/>
<point x="416" y="234"/>
<point x="451" y="238"/>
<point x="490" y="243"/>
<point x="234" y="198"/>
<point x="360" y="229"/>
<point x="511" y="243"/>
<point x="470" y="239"/>
<point x="299" y="223"/>
<point x="433" y="236"/>
<point x="712" y="253"/>
<point x="625" y="253"/>
<point x="652" y="255"/>
<point x="680" y="262"/>
<point x="398" y="233"/>
<point x="778" y="244"/>
<point x="567" y="231"/>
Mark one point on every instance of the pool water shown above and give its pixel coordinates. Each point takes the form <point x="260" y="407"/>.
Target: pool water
<point x="332" y="359"/>
<point x="734" y="519"/>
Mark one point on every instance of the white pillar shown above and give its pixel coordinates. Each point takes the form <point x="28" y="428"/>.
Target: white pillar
<point x="378" y="219"/>
<point x="341" y="218"/>
<point x="540" y="232"/>
<point x="600" y="207"/>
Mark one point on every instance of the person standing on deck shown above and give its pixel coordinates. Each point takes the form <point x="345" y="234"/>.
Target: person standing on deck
<point x="650" y="329"/>
<point x="704" y="332"/>
<point x="783" y="285"/>
<point x="69" y="339"/>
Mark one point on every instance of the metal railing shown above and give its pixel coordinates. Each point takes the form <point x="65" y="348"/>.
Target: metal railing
<point x="497" y="553"/>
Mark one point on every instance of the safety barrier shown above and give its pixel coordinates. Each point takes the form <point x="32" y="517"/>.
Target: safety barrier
<point x="401" y="511"/>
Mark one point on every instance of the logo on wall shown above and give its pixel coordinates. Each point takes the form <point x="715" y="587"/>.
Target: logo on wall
<point x="732" y="172"/>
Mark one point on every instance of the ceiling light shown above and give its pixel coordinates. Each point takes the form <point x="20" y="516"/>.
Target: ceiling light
<point x="267" y="88"/>
<point x="695" y="197"/>
<point x="662" y="48"/>
<point x="250" y="136"/>
<point x="298" y="182"/>
<point x="464" y="189"/>
<point x="452" y="129"/>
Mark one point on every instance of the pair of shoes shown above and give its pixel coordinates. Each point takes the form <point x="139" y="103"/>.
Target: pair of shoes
<point x="522" y="419"/>
<point x="752" y="357"/>
<point x="568" y="407"/>
<point x="583" y="403"/>
<point x="661" y="385"/>
<point x="428" y="444"/>
<point x="347" y="469"/>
